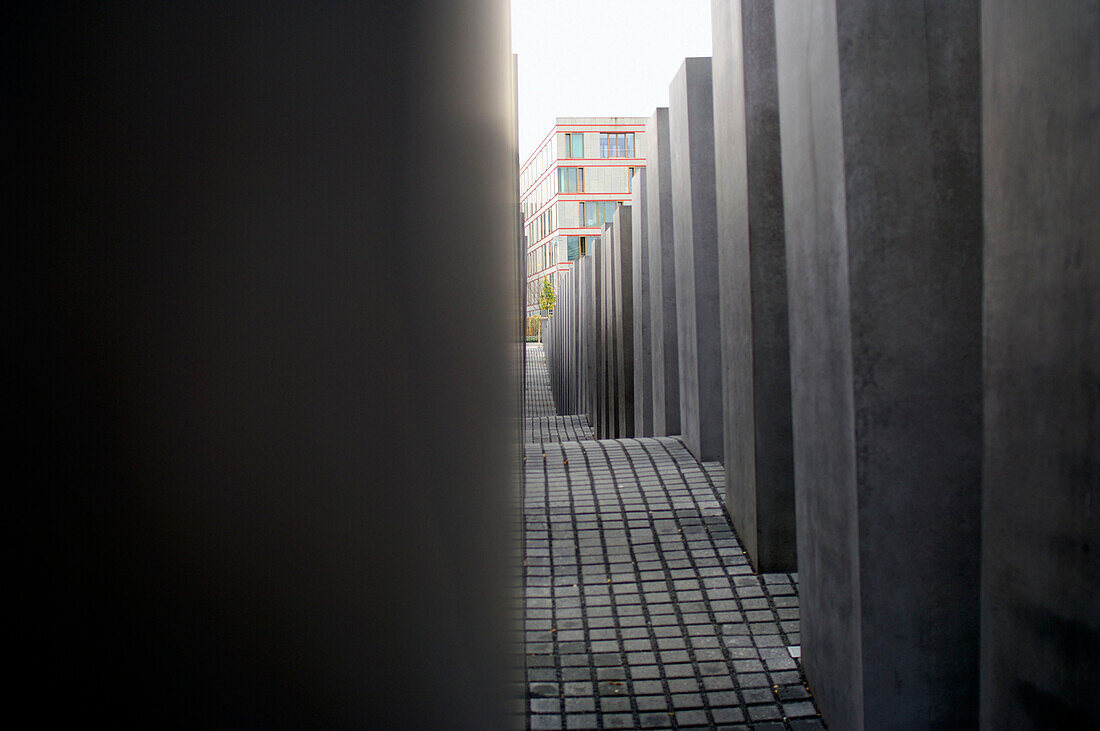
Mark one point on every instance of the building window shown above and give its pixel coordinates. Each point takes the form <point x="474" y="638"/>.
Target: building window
<point x="570" y="180"/>
<point x="574" y="144"/>
<point x="584" y="247"/>
<point x="616" y="144"/>
<point x="595" y="214"/>
<point x="629" y="179"/>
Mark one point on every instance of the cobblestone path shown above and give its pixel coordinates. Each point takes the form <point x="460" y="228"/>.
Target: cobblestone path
<point x="641" y="609"/>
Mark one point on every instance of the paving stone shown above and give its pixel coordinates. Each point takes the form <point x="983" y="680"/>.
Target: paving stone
<point x="755" y="696"/>
<point x="545" y="721"/>
<point x="800" y="709"/>
<point x="578" y="689"/>
<point x="792" y="692"/>
<point x="615" y="705"/>
<point x="687" y="700"/>
<point x="545" y="705"/>
<point x="691" y="718"/>
<point x="764" y="713"/>
<point x="655" y="720"/>
<point x="573" y="705"/>
<point x="678" y="671"/>
<point x="618" y="720"/>
<point x="651" y="702"/>
<point x="728" y="715"/>
<point x="645" y="687"/>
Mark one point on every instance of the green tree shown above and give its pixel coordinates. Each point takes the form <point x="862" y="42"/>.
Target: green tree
<point x="547" y="299"/>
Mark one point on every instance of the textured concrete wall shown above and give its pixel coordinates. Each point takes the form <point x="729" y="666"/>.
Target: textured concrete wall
<point x="695" y="237"/>
<point x="756" y="377"/>
<point x="1041" y="484"/>
<point x="595" y="337"/>
<point x="606" y="415"/>
<point x="643" y="345"/>
<point x="662" y="278"/>
<point x="880" y="146"/>
<point x="278" y="489"/>
<point x="599" y="357"/>
<point x="587" y="338"/>
<point x="623" y="275"/>
<point x="610" y="264"/>
<point x="574" y="341"/>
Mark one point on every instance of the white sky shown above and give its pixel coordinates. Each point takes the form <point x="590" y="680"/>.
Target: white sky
<point x="600" y="58"/>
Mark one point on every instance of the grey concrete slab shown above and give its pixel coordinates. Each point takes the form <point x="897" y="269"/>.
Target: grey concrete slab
<point x="574" y="340"/>
<point x="756" y="374"/>
<point x="662" y="277"/>
<point x="623" y="275"/>
<point x="643" y="344"/>
<point x="594" y="338"/>
<point x="612" y="351"/>
<point x="279" y="491"/>
<point x="880" y="146"/>
<point x="600" y="339"/>
<point x="695" y="238"/>
<point x="607" y="419"/>
<point x="1040" y="659"/>
<point x="584" y="267"/>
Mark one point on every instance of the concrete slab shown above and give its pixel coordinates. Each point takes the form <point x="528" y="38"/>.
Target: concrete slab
<point x="882" y="192"/>
<point x="623" y="315"/>
<point x="662" y="277"/>
<point x="1040" y="658"/>
<point x="608" y="417"/>
<point x="695" y="237"/>
<point x="643" y="344"/>
<point x="752" y="264"/>
<point x="591" y="339"/>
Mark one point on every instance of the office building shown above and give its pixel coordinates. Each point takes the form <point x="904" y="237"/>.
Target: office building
<point x="572" y="184"/>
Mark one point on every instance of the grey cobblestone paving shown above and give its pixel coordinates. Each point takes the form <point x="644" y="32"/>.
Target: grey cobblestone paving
<point x="540" y="400"/>
<point x="642" y="610"/>
<point x="542" y="423"/>
<point x="557" y="429"/>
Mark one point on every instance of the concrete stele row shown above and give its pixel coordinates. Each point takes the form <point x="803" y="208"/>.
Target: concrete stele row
<point x="864" y="271"/>
<point x="589" y="340"/>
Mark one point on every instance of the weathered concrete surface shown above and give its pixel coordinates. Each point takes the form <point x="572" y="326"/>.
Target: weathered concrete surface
<point x="576" y="341"/>
<point x="752" y="265"/>
<point x="643" y="344"/>
<point x="880" y="146"/>
<point x="1041" y="484"/>
<point x="609" y="418"/>
<point x="623" y="313"/>
<point x="662" y="277"/>
<point x="603" y="343"/>
<point x="560" y="341"/>
<point x="695" y="237"/>
<point x="584" y="334"/>
<point x="590" y="264"/>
